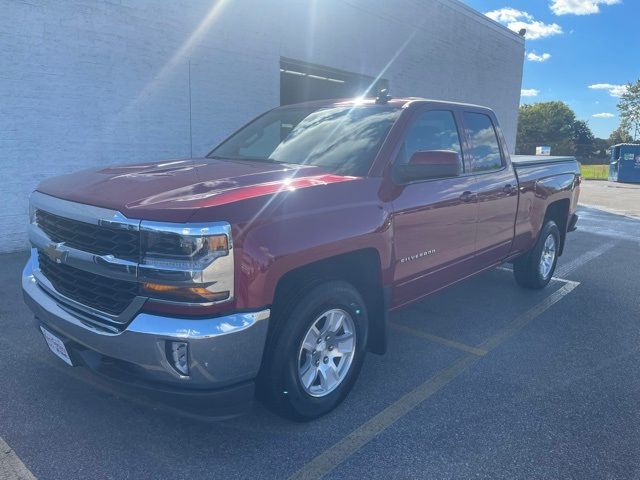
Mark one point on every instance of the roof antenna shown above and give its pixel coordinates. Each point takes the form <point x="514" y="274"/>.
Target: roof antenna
<point x="383" y="96"/>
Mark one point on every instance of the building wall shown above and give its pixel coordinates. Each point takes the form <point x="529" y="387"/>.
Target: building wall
<point x="86" y="83"/>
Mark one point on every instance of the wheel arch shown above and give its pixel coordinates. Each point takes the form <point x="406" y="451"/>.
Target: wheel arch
<point x="558" y="211"/>
<point x="361" y="268"/>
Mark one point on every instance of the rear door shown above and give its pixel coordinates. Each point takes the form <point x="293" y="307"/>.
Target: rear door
<point x="434" y="221"/>
<point x="496" y="186"/>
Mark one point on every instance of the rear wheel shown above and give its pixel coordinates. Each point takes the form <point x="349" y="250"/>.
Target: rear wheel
<point x="535" y="269"/>
<point x="314" y="354"/>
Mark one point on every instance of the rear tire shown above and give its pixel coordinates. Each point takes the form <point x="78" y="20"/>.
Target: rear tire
<point x="535" y="269"/>
<point x="315" y="351"/>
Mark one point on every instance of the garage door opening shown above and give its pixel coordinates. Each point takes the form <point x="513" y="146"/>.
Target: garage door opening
<point x="302" y="82"/>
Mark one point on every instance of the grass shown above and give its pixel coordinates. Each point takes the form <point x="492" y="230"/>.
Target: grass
<point x="594" y="172"/>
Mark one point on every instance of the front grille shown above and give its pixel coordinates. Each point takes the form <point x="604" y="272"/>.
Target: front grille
<point x="97" y="239"/>
<point x="102" y="293"/>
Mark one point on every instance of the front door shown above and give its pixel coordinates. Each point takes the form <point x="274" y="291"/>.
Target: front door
<point x="434" y="221"/>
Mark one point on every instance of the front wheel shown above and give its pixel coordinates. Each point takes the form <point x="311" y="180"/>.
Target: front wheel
<point x="315" y="352"/>
<point x="535" y="269"/>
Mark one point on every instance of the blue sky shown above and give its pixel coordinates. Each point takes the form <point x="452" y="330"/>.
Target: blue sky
<point x="588" y="43"/>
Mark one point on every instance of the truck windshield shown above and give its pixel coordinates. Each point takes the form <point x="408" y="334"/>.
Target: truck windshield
<point x="343" y="140"/>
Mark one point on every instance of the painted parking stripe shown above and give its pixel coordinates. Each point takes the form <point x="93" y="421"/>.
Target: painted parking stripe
<point x="452" y="343"/>
<point x="597" y="222"/>
<point x="522" y="320"/>
<point x="436" y="339"/>
<point x="11" y="467"/>
<point x="342" y="450"/>
<point x="567" y="268"/>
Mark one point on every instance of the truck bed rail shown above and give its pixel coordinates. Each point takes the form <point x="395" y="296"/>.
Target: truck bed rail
<point x="531" y="160"/>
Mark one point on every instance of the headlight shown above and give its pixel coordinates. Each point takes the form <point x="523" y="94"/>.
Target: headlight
<point x="179" y="251"/>
<point x="190" y="263"/>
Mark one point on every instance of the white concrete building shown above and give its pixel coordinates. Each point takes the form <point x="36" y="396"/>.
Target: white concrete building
<point x="86" y="83"/>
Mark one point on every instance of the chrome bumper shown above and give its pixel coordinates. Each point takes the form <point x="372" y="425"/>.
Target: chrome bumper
<point x="222" y="350"/>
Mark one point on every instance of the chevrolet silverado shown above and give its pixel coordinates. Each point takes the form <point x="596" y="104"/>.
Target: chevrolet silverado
<point x="269" y="267"/>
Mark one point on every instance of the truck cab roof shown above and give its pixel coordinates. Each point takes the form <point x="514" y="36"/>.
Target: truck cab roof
<point x="399" y="102"/>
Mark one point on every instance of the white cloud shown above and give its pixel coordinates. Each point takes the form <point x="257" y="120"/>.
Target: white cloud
<point x="533" y="57"/>
<point x="537" y="29"/>
<point x="507" y="15"/>
<point x="529" y="92"/>
<point x="614" y="90"/>
<point x="517" y="20"/>
<point x="603" y="115"/>
<point x="579" y="7"/>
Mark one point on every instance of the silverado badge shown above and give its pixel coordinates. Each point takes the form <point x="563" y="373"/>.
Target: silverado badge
<point x="418" y="255"/>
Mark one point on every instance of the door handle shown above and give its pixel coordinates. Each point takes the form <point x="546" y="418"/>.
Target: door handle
<point x="508" y="189"/>
<point x="468" y="196"/>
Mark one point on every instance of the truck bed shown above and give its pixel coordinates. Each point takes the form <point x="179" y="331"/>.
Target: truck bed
<point x="520" y="161"/>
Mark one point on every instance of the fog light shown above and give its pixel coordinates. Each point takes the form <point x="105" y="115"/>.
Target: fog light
<point x="178" y="356"/>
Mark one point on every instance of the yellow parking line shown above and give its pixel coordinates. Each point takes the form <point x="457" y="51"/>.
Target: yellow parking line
<point x="553" y="279"/>
<point x="564" y="269"/>
<point x="568" y="268"/>
<point x="11" y="467"/>
<point x="339" y="452"/>
<point x="436" y="339"/>
<point x="523" y="319"/>
<point x="342" y="450"/>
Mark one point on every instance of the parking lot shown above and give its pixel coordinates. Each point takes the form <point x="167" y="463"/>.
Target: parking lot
<point x="483" y="380"/>
<point x="614" y="197"/>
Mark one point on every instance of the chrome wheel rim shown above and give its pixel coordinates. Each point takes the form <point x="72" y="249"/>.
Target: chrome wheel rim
<point x="548" y="256"/>
<point x="326" y="352"/>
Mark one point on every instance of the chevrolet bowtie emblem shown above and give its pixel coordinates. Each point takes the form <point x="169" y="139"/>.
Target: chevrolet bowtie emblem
<point x="55" y="253"/>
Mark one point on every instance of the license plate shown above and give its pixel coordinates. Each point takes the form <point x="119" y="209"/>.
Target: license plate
<point x="56" y="346"/>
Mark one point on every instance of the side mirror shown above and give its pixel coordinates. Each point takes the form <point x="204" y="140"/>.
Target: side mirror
<point x="428" y="165"/>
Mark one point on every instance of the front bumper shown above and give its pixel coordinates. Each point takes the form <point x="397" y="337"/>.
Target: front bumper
<point x="224" y="352"/>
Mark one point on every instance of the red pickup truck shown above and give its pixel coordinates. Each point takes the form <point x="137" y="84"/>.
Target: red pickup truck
<point x="272" y="263"/>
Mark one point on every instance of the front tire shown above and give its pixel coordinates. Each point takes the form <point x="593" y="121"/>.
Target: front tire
<point x="535" y="269"/>
<point x="315" y="351"/>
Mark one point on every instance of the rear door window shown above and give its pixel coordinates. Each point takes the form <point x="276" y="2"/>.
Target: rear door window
<point x="484" y="147"/>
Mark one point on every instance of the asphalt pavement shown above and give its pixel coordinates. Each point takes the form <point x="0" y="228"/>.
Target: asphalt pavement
<point x="483" y="380"/>
<point x="615" y="197"/>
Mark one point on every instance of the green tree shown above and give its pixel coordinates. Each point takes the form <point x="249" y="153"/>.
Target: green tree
<point x="600" y="147"/>
<point x="553" y="124"/>
<point x="584" y="139"/>
<point x="619" y="135"/>
<point x="629" y="107"/>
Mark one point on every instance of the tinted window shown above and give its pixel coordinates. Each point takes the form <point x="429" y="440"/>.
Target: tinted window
<point x="344" y="140"/>
<point x="483" y="142"/>
<point x="432" y="130"/>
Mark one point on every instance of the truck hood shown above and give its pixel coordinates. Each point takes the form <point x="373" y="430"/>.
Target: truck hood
<point x="173" y="190"/>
